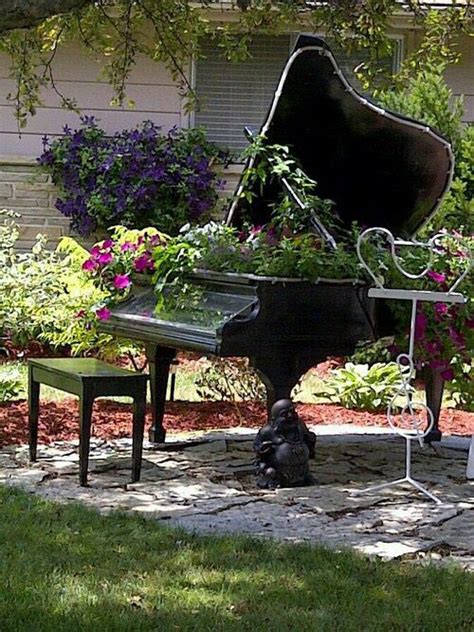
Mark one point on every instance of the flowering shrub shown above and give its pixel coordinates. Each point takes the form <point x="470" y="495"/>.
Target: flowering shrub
<point x="444" y="333"/>
<point x="137" y="177"/>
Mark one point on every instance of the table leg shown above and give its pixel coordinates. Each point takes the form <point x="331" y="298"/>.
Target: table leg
<point x="85" y="419"/>
<point x="33" y="413"/>
<point x="139" y="407"/>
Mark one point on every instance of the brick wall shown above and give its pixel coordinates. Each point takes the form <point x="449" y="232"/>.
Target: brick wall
<point x="30" y="194"/>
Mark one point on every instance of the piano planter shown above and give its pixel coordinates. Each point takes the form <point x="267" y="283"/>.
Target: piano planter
<point x="378" y="168"/>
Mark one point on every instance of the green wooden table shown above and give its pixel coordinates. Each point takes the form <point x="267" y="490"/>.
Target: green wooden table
<point x="87" y="378"/>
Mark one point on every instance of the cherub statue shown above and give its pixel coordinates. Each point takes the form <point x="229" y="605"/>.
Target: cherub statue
<point x="283" y="447"/>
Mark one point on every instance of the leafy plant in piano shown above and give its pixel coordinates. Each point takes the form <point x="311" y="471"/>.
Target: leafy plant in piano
<point x="138" y="177"/>
<point x="269" y="165"/>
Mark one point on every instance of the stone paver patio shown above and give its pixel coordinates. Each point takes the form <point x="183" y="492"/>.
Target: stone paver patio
<point x="204" y="482"/>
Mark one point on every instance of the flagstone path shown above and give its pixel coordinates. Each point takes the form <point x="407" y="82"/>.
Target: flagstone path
<point x="204" y="482"/>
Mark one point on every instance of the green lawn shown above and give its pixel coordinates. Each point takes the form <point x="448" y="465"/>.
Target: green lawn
<point x="67" y="568"/>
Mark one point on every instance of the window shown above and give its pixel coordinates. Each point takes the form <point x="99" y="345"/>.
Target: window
<point x="233" y="95"/>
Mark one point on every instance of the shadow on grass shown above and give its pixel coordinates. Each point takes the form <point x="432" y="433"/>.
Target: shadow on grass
<point x="67" y="568"/>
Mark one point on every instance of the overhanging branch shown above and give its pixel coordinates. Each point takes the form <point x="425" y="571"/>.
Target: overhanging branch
<point x="16" y="14"/>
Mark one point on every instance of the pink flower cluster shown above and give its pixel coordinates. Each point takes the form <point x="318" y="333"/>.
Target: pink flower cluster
<point x="110" y="263"/>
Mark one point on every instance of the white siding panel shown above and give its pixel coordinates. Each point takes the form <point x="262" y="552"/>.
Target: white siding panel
<point x="156" y="95"/>
<point x="469" y="108"/>
<point x="97" y="96"/>
<point x="74" y="64"/>
<point x="461" y="76"/>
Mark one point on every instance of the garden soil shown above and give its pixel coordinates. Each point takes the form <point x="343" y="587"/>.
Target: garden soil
<point x="111" y="420"/>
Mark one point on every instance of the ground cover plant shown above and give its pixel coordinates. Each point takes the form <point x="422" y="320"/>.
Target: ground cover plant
<point x="66" y="567"/>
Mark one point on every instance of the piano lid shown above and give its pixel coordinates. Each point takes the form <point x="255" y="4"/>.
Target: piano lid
<point x="380" y="168"/>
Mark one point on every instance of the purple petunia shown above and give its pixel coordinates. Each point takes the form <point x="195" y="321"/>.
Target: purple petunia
<point x="105" y="258"/>
<point x="143" y="263"/>
<point x="89" y="264"/>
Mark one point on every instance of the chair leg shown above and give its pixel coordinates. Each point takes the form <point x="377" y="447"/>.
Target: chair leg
<point x="86" y="402"/>
<point x="139" y="408"/>
<point x="33" y="412"/>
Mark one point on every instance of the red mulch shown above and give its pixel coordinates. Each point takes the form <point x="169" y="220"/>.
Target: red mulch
<point x="59" y="420"/>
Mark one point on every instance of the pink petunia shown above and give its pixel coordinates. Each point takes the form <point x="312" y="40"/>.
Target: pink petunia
<point x="126" y="246"/>
<point x="456" y="337"/>
<point x="431" y="347"/>
<point x="143" y="262"/>
<point x="441" y="308"/>
<point x="108" y="243"/>
<point x="420" y="325"/>
<point x="437" y="276"/>
<point x="121" y="281"/>
<point x="95" y="251"/>
<point x="105" y="258"/>
<point x="447" y="374"/>
<point x="103" y="313"/>
<point x="155" y="240"/>
<point x="89" y="265"/>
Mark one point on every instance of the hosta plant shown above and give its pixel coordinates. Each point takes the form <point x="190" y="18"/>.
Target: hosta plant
<point x="363" y="387"/>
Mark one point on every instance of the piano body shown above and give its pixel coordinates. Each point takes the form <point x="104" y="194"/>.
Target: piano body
<point x="379" y="168"/>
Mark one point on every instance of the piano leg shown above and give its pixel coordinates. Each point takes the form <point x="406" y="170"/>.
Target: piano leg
<point x="280" y="376"/>
<point x="159" y="360"/>
<point x="434" y="386"/>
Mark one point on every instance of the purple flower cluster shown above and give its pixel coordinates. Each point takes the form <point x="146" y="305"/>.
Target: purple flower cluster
<point x="137" y="177"/>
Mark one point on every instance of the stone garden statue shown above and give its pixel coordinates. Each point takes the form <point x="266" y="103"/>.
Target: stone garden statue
<point x="283" y="447"/>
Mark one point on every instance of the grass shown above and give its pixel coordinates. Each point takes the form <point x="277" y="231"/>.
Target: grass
<point x="65" y="568"/>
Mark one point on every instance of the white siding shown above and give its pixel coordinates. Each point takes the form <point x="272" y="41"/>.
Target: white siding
<point x="461" y="77"/>
<point x="156" y="96"/>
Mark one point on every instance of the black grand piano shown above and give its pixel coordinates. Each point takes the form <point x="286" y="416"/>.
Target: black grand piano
<point x="379" y="168"/>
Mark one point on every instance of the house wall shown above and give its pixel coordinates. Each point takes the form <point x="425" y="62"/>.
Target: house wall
<point x="157" y="98"/>
<point x="22" y="189"/>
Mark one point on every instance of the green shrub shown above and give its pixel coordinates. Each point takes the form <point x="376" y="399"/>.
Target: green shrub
<point x="361" y="387"/>
<point x="225" y="379"/>
<point x="11" y="384"/>
<point x="44" y="295"/>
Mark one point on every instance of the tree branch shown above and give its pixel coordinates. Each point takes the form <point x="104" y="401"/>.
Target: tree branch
<point x="15" y="14"/>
